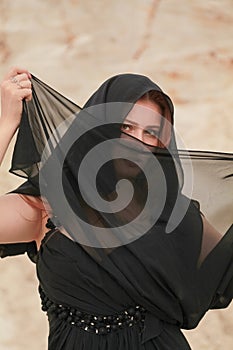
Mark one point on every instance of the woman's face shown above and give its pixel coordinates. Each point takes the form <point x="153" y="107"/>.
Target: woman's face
<point x="144" y="123"/>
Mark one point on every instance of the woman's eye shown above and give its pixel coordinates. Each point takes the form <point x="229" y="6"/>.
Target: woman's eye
<point x="151" y="132"/>
<point x="126" y="127"/>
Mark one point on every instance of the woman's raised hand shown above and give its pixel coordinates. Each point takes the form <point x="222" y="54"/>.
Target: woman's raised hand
<point x="15" y="87"/>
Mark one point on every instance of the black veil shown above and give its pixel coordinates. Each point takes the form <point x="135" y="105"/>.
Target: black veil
<point x="163" y="246"/>
<point x="70" y="132"/>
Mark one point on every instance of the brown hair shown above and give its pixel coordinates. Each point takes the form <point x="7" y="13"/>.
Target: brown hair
<point x="158" y="98"/>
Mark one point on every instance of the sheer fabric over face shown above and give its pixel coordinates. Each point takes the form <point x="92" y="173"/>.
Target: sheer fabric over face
<point x="56" y="136"/>
<point x="137" y="214"/>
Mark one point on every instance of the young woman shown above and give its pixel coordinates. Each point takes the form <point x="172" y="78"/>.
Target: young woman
<point x="111" y="274"/>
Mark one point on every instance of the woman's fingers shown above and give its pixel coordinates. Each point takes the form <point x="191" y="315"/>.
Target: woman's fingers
<point x="19" y="78"/>
<point x="21" y="82"/>
<point x="15" y="87"/>
<point x="15" y="71"/>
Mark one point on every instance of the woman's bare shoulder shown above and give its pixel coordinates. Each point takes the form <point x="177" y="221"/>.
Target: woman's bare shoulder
<point x="22" y="218"/>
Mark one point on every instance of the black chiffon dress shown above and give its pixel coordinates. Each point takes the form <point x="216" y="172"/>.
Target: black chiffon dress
<point x="174" y="294"/>
<point x="138" y="295"/>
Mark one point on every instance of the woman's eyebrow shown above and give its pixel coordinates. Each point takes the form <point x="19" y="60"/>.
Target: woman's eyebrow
<point x="130" y="121"/>
<point x="144" y="126"/>
<point x="153" y="126"/>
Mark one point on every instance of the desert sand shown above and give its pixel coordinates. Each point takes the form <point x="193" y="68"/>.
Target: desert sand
<point x="184" y="45"/>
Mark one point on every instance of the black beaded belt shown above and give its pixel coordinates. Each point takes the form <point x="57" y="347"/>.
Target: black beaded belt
<point x="97" y="324"/>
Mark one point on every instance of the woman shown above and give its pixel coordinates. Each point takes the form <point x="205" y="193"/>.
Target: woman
<point x="107" y="279"/>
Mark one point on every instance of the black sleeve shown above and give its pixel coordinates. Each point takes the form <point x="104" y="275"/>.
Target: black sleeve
<point x="11" y="249"/>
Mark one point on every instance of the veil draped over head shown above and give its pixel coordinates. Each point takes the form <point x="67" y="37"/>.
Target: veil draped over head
<point x="148" y="216"/>
<point x="55" y="136"/>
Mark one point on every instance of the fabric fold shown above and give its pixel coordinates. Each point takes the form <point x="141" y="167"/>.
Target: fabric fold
<point x="152" y="327"/>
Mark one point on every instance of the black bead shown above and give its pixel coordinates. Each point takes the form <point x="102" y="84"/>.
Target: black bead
<point x="131" y="311"/>
<point x="114" y="327"/>
<point x="103" y="330"/>
<point x="110" y="318"/>
<point x="87" y="319"/>
<point x="91" y="328"/>
<point x="78" y="313"/>
<point x="101" y="325"/>
<point x="138" y="315"/>
<point x="115" y="321"/>
<point x="48" y="303"/>
<point x="69" y="319"/>
<point x="44" y="308"/>
<point x="99" y="318"/>
<point x="62" y="308"/>
<point x="63" y="315"/>
<point x="120" y="317"/>
<point x="52" y="308"/>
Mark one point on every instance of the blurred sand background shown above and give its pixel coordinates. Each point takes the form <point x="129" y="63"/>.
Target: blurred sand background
<point x="74" y="45"/>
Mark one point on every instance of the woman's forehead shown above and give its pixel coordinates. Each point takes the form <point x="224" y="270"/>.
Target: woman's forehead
<point x="145" y="113"/>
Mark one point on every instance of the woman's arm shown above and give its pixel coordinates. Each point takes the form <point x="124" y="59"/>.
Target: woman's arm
<point x="20" y="220"/>
<point x="15" y="87"/>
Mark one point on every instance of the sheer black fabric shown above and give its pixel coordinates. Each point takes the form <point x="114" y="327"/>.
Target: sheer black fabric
<point x="112" y="261"/>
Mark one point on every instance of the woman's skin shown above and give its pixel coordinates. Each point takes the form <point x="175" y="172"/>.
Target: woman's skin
<point x="143" y="122"/>
<point x="12" y="95"/>
<point x="20" y="221"/>
<point x="22" y="217"/>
